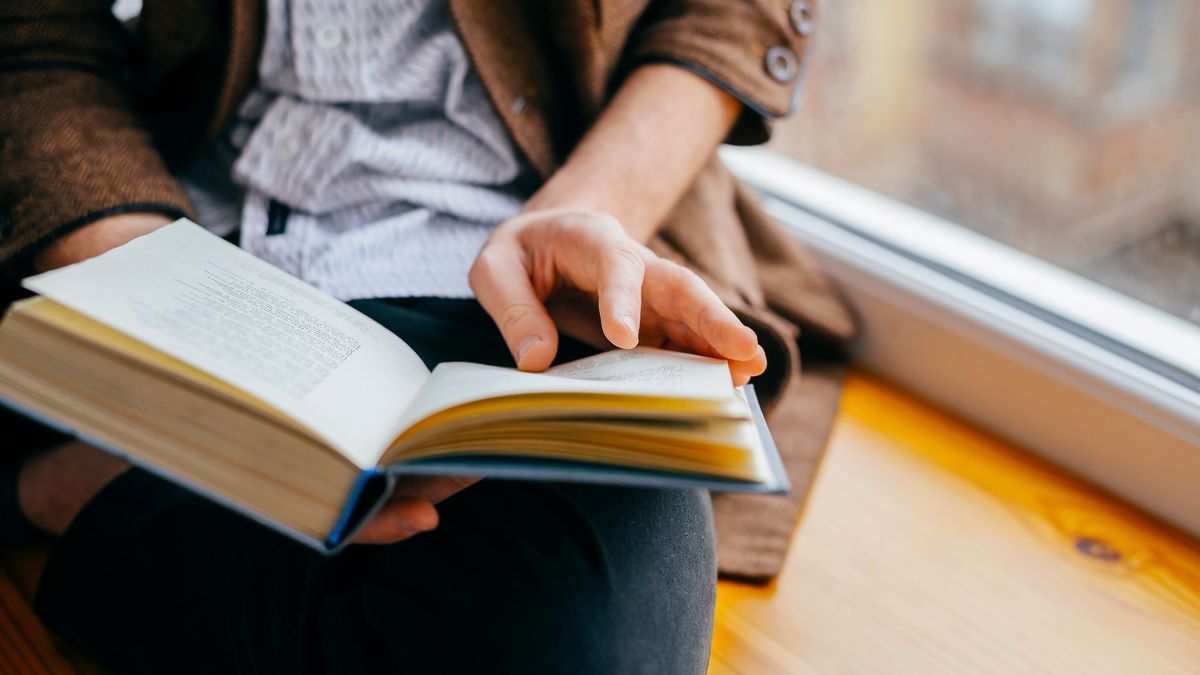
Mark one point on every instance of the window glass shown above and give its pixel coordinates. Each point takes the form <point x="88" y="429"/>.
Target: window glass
<point x="1069" y="129"/>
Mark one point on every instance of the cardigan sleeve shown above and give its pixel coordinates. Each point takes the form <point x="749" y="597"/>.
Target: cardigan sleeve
<point x="752" y="49"/>
<point x="72" y="149"/>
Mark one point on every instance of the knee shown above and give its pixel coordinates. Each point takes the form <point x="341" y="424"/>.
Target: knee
<point x="544" y="578"/>
<point x="661" y="582"/>
<point x="631" y="588"/>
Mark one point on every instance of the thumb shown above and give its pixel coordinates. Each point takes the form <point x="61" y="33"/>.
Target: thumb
<point x="501" y="282"/>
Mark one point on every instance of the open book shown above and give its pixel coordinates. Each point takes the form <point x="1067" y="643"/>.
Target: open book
<point x="192" y="357"/>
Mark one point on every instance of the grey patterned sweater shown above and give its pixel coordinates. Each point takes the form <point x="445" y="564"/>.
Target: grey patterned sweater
<point x="368" y="160"/>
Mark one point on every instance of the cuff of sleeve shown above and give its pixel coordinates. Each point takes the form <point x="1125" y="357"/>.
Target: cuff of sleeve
<point x="19" y="264"/>
<point x="752" y="127"/>
<point x="73" y="150"/>
<point x="749" y="50"/>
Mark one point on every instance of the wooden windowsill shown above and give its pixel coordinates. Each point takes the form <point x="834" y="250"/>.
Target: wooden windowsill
<point x="929" y="546"/>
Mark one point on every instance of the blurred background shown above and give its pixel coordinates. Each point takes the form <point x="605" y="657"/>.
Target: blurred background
<point x="1069" y="129"/>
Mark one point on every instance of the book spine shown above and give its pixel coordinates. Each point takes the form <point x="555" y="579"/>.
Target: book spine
<point x="781" y="483"/>
<point x="370" y="493"/>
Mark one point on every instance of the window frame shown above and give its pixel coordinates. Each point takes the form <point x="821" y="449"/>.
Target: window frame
<point x="1082" y="375"/>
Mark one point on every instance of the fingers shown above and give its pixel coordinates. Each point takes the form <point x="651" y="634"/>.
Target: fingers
<point x="677" y="294"/>
<point x="531" y="256"/>
<point x="677" y="335"/>
<point x="398" y="520"/>
<point x="432" y="489"/>
<point x="621" y="271"/>
<point x="410" y="510"/>
<point x="501" y="283"/>
<point x="595" y="254"/>
<point x="742" y="371"/>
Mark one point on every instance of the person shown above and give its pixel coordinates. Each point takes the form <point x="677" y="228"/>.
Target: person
<point x="487" y="180"/>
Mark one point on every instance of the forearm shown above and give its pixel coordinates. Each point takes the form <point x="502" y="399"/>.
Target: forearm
<point x="645" y="150"/>
<point x="96" y="238"/>
<point x="74" y="148"/>
<point x="54" y="485"/>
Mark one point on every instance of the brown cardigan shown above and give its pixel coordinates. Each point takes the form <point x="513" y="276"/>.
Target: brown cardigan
<point x="95" y="116"/>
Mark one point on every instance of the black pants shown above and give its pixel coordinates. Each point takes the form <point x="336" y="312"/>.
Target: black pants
<point x="519" y="577"/>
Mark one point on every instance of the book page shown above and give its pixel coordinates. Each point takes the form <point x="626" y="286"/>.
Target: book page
<point x="666" y="371"/>
<point x="204" y="301"/>
<point x="635" y="372"/>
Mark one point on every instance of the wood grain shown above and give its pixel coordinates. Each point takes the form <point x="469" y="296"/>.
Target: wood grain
<point x="929" y="546"/>
<point x="25" y="647"/>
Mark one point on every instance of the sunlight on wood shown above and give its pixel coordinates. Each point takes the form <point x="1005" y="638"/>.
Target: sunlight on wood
<point x="25" y="646"/>
<point x="929" y="546"/>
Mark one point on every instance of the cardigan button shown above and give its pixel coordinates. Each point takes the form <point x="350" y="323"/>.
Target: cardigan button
<point x="781" y="64"/>
<point x="801" y="15"/>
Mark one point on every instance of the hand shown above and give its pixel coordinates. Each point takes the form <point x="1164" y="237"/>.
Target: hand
<point x="96" y="238"/>
<point x="55" y="485"/>
<point x="410" y="509"/>
<point x="574" y="259"/>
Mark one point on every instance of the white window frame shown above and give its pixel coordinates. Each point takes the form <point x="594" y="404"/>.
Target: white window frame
<point x="1090" y="379"/>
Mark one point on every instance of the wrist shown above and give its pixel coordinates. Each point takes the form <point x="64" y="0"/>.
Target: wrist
<point x="53" y="487"/>
<point x="551" y="199"/>
<point x="551" y="202"/>
<point x="97" y="237"/>
<point x="15" y="525"/>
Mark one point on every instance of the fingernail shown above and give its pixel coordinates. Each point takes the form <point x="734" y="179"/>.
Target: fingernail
<point x="629" y="323"/>
<point x="525" y="346"/>
<point x="412" y="528"/>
